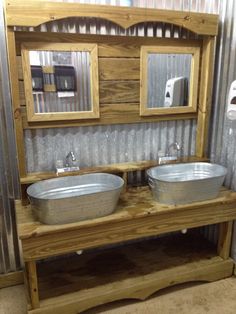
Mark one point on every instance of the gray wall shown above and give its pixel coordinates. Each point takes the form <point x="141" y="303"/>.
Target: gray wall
<point x="9" y="185"/>
<point x="223" y="138"/>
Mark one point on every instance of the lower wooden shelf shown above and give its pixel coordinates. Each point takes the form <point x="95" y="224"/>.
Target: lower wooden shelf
<point x="78" y="282"/>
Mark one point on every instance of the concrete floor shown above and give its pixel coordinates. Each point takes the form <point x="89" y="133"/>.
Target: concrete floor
<point x="212" y="298"/>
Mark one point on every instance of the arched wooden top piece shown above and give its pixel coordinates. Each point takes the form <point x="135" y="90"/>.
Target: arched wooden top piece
<point x="34" y="13"/>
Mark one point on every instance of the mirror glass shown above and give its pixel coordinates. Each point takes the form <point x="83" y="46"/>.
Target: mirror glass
<point x="168" y="76"/>
<point x="61" y="81"/>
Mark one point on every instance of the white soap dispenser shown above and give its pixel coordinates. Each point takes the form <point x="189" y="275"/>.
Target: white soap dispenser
<point x="231" y="106"/>
<point x="175" y="92"/>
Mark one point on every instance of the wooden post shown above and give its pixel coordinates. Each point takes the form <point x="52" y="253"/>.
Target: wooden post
<point x="224" y="239"/>
<point x="125" y="178"/>
<point x="205" y="93"/>
<point x="16" y="101"/>
<point x="33" y="283"/>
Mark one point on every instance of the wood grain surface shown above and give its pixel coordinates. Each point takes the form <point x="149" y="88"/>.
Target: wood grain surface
<point x="27" y="14"/>
<point x="137" y="215"/>
<point x="131" y="271"/>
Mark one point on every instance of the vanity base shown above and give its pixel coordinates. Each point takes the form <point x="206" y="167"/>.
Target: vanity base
<point x="137" y="270"/>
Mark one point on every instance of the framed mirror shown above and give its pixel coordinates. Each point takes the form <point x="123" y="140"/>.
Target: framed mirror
<point x="169" y="79"/>
<point x="60" y="81"/>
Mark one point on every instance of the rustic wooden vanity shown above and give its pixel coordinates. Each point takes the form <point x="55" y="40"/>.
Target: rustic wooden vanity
<point x="57" y="279"/>
<point x="107" y="271"/>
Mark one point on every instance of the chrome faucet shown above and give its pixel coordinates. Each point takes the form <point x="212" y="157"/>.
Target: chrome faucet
<point x="68" y="165"/>
<point x="169" y="156"/>
<point x="176" y="147"/>
<point x="70" y="158"/>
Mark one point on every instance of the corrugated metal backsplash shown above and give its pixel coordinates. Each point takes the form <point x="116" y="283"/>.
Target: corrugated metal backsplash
<point x="106" y="144"/>
<point x="118" y="142"/>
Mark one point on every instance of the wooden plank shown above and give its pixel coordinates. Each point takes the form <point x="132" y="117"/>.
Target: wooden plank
<point x="34" y="13"/>
<point x="122" y="263"/>
<point x="48" y="69"/>
<point x="26" y="285"/>
<point x="13" y="71"/>
<point x="22" y="99"/>
<point x="19" y="67"/>
<point x="49" y="87"/>
<point x="136" y="216"/>
<point x="113" y="168"/>
<point x="33" y="284"/>
<point x="205" y="93"/>
<point x="112" y="69"/>
<point x="108" y="45"/>
<point x="224" y="240"/>
<point x="118" y="92"/>
<point x="11" y="279"/>
<point x="109" y="114"/>
<point x="121" y="273"/>
<point x="94" y="84"/>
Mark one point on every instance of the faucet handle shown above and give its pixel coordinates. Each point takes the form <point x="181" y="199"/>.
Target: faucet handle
<point x="70" y="159"/>
<point x="174" y="146"/>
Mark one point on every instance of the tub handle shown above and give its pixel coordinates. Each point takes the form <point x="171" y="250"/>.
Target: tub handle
<point x="151" y="183"/>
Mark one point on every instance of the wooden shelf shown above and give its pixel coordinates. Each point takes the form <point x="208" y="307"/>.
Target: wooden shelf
<point x="113" y="168"/>
<point x="132" y="271"/>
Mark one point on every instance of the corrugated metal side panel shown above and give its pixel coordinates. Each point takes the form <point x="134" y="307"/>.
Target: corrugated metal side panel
<point x="223" y="143"/>
<point x="9" y="184"/>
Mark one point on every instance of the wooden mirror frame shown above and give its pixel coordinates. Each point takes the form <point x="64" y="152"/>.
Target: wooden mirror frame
<point x="56" y="116"/>
<point x="194" y="74"/>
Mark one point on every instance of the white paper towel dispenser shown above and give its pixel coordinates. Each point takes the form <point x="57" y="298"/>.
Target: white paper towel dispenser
<point x="231" y="106"/>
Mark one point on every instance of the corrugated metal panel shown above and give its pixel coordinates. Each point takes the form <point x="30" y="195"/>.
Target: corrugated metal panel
<point x="223" y="143"/>
<point x="106" y="144"/>
<point x="9" y="184"/>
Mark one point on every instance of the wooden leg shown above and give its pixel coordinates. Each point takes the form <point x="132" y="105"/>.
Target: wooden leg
<point x="33" y="283"/>
<point x="224" y="240"/>
<point x="125" y="178"/>
<point x="26" y="283"/>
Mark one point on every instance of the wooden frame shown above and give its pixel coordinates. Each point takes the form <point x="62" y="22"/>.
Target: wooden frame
<point x="55" y="116"/>
<point x="193" y="90"/>
<point x="114" y="52"/>
<point x="27" y="14"/>
<point x="11" y="279"/>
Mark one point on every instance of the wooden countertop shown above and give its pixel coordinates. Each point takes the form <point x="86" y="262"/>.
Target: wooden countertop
<point x="134" y="204"/>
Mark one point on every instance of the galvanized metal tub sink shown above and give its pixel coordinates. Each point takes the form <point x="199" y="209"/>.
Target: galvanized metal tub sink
<point x="75" y="198"/>
<point x="186" y="183"/>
